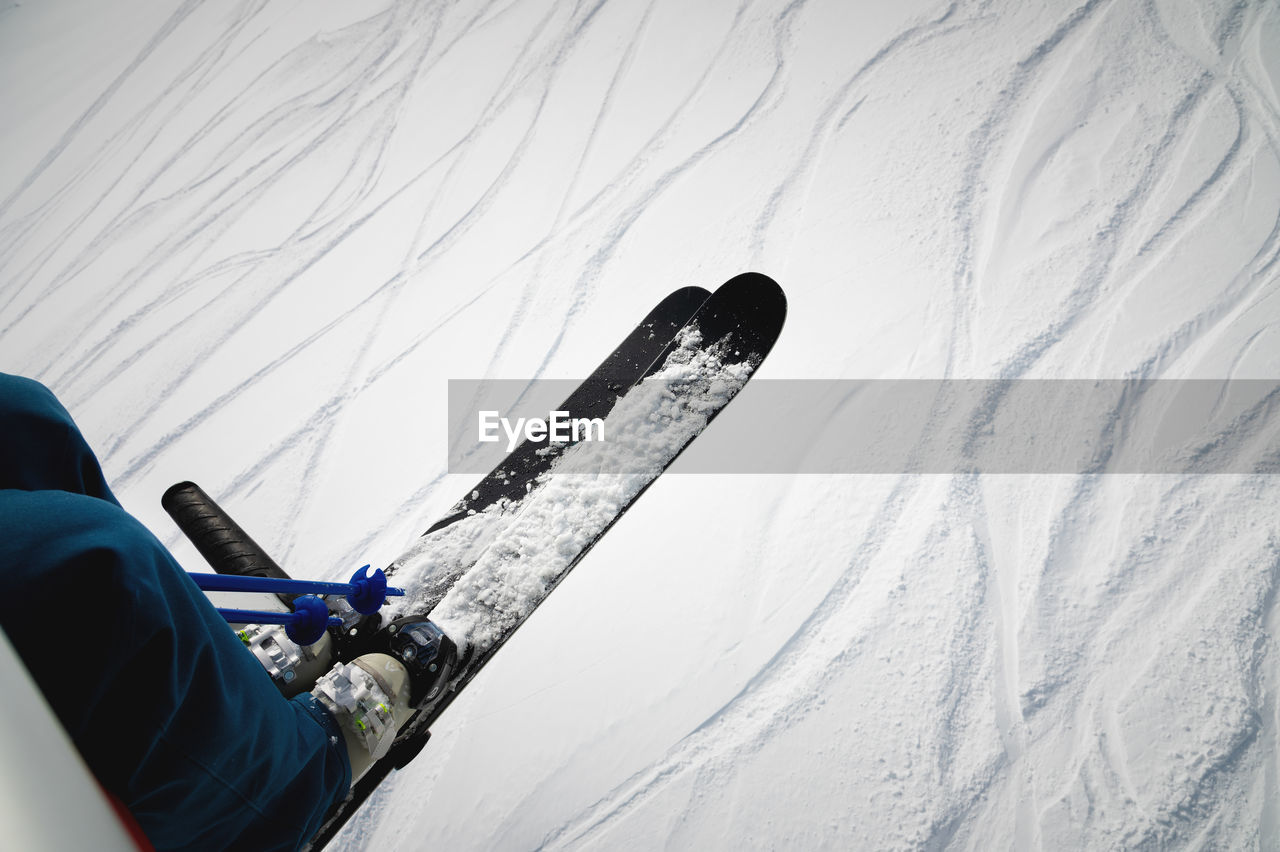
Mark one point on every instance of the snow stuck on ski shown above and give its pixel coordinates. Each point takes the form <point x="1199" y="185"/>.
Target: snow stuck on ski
<point x="528" y="545"/>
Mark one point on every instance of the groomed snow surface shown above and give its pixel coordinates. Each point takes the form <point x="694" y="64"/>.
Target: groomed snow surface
<point x="248" y="241"/>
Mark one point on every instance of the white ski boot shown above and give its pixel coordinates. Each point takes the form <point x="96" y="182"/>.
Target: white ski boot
<point x="369" y="698"/>
<point x="293" y="668"/>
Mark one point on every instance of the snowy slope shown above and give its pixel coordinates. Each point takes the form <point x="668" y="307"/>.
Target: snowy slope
<point x="248" y="242"/>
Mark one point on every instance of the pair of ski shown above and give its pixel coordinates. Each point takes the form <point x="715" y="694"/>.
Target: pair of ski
<point x="658" y="389"/>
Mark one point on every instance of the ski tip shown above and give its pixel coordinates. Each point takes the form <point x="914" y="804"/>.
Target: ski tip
<point x="755" y="294"/>
<point x="755" y="288"/>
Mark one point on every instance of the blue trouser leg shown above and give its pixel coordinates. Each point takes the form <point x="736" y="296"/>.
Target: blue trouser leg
<point x="170" y="712"/>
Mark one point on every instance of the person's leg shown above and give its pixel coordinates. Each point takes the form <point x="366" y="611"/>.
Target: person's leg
<point x="169" y="711"/>
<point x="40" y="447"/>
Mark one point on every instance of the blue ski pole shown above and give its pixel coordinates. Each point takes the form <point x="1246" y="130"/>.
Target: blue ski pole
<point x="305" y="625"/>
<point x="365" y="592"/>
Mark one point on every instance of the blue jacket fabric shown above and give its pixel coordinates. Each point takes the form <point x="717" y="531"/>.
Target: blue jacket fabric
<point x="169" y="710"/>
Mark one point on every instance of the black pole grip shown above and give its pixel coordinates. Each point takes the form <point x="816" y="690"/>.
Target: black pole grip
<point x="219" y="539"/>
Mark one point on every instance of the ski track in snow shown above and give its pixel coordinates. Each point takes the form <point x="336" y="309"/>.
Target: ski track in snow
<point x="249" y="247"/>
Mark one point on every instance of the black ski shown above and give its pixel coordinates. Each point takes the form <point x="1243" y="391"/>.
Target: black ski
<point x="725" y="335"/>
